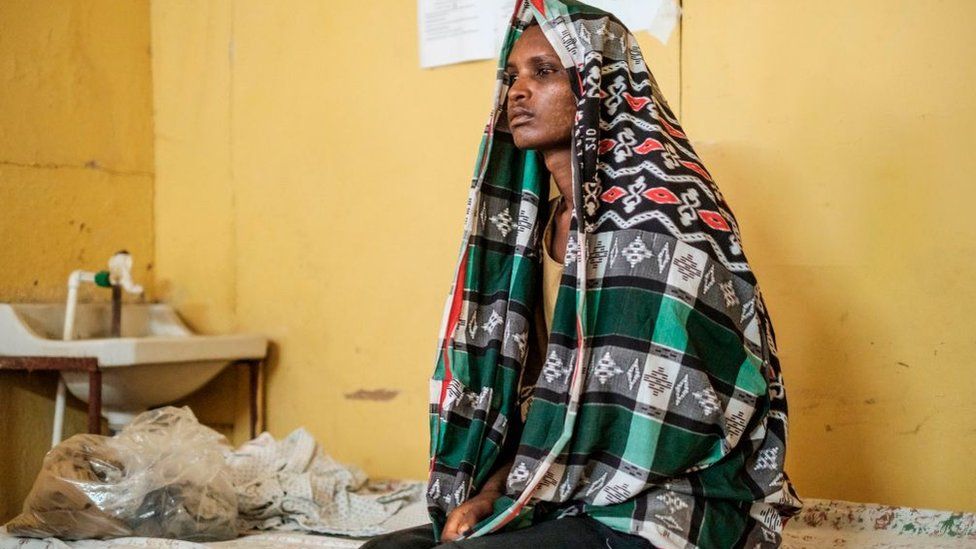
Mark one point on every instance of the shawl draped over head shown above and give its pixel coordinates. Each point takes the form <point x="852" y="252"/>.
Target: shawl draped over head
<point x="660" y="409"/>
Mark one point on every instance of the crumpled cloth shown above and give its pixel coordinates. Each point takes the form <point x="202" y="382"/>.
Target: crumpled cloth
<point x="292" y="484"/>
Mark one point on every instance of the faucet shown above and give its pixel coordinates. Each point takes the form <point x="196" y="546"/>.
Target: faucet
<point x="120" y="276"/>
<point x="117" y="277"/>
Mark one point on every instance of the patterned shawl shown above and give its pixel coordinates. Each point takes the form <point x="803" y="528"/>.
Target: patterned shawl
<point x="660" y="409"/>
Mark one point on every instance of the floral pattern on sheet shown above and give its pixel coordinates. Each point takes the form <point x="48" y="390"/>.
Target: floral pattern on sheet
<point x="821" y="524"/>
<point x="847" y="515"/>
<point x="838" y="523"/>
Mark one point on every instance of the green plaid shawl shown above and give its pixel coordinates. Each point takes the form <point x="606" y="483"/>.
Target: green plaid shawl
<point x="660" y="409"/>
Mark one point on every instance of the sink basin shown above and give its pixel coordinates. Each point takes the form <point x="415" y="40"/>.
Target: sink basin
<point x="157" y="360"/>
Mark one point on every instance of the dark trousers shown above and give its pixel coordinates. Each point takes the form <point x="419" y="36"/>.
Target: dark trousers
<point x="576" y="532"/>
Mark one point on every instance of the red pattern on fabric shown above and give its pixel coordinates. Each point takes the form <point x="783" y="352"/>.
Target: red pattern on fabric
<point x="648" y="145"/>
<point x="696" y="168"/>
<point x="670" y="129"/>
<point x="714" y="220"/>
<point x="452" y="322"/>
<point x="612" y="194"/>
<point x="636" y="103"/>
<point x="661" y="195"/>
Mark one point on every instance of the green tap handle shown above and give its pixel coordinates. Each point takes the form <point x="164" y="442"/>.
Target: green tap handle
<point x="102" y="279"/>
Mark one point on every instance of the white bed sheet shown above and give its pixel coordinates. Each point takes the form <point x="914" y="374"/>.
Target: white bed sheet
<point x="821" y="524"/>
<point x="413" y="514"/>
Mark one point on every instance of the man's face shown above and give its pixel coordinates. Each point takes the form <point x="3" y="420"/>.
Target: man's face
<point x="541" y="107"/>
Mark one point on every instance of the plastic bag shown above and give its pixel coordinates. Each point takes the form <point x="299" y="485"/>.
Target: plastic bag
<point x="164" y="475"/>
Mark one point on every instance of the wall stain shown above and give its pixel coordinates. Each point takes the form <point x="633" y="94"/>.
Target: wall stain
<point x="379" y="395"/>
<point x="917" y="427"/>
<point x="90" y="165"/>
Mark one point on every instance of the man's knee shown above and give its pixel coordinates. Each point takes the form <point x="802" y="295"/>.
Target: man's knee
<point x="421" y="537"/>
<point x="376" y="543"/>
<point x="388" y="541"/>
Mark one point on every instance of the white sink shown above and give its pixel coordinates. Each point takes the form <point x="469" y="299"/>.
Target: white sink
<point x="156" y="361"/>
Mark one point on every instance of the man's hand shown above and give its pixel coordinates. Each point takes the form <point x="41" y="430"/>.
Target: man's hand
<point x="465" y="516"/>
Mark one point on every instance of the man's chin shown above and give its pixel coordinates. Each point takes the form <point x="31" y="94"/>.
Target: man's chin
<point x="525" y="142"/>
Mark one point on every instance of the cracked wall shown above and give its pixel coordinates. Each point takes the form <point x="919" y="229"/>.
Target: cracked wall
<point x="76" y="183"/>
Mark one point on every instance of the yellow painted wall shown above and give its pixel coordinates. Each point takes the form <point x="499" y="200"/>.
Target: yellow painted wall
<point x="310" y="182"/>
<point x="842" y="134"/>
<point x="334" y="173"/>
<point x="76" y="184"/>
<point x="323" y="176"/>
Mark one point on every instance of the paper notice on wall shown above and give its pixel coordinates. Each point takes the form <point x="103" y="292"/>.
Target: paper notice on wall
<point x="454" y="31"/>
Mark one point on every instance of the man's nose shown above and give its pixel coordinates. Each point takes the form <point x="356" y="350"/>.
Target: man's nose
<point x="518" y="91"/>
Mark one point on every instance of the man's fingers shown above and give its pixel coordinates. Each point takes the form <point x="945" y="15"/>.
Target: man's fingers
<point x="454" y="533"/>
<point x="456" y="522"/>
<point x="464" y="527"/>
<point x="463" y="518"/>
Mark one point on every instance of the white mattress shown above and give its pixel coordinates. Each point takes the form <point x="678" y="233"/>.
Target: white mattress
<point x="822" y="523"/>
<point x="413" y="514"/>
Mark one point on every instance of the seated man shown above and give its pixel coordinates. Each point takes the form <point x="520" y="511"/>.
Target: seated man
<point x="607" y="374"/>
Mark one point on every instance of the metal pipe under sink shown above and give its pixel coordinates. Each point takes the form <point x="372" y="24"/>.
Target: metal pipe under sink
<point x="118" y="276"/>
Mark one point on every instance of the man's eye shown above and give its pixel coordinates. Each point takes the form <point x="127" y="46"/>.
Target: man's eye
<point x="545" y="72"/>
<point x="510" y="78"/>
